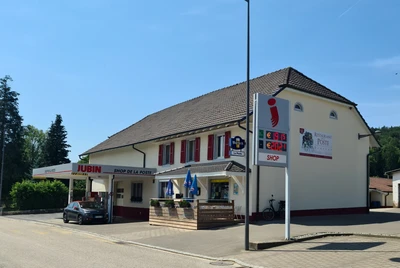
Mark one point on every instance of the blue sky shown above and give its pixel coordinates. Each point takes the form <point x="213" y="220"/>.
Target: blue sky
<point x="104" y="65"/>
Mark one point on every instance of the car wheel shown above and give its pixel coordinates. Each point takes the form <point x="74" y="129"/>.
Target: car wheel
<point x="80" y="220"/>
<point x="65" y="219"/>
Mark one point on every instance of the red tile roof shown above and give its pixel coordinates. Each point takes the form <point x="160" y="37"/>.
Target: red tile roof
<point x="381" y="184"/>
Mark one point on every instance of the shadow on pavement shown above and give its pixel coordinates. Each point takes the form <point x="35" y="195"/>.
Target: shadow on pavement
<point x="395" y="259"/>
<point x="373" y="217"/>
<point x="347" y="246"/>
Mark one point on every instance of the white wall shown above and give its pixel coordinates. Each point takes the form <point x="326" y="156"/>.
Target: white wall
<point x="379" y="196"/>
<point x="327" y="183"/>
<point x="396" y="182"/>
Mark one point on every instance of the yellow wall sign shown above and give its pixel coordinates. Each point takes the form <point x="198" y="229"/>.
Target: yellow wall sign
<point x="220" y="180"/>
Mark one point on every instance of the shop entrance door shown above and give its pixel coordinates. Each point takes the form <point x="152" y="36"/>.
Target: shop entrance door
<point x="219" y="190"/>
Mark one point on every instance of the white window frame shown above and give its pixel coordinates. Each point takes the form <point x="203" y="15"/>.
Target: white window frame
<point x="166" y="154"/>
<point x="222" y="146"/>
<point x="120" y="193"/>
<point x="333" y="116"/>
<point x="141" y="194"/>
<point x="188" y="151"/>
<point x="300" y="109"/>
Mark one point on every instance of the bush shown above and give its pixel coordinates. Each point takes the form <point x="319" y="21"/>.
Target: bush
<point x="184" y="204"/>
<point x="154" y="203"/>
<point x="169" y="203"/>
<point x="28" y="195"/>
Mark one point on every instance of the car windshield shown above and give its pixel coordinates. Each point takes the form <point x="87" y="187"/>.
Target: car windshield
<point x="90" y="205"/>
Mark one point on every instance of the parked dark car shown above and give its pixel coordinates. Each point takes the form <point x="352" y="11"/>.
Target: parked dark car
<point x="85" y="212"/>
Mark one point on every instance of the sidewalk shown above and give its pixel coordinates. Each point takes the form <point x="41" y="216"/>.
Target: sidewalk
<point x="228" y="242"/>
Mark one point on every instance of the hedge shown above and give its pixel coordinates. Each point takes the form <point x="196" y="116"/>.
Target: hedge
<point x="28" y="195"/>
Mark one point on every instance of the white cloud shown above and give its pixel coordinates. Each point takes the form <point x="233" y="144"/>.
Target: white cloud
<point x="387" y="62"/>
<point x="347" y="10"/>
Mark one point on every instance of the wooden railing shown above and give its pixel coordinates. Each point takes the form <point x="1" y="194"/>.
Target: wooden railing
<point x="202" y="214"/>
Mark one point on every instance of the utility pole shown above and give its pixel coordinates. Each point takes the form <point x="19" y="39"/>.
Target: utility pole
<point x="247" y="131"/>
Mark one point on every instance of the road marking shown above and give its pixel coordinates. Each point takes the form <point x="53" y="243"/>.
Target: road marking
<point x="61" y="231"/>
<point x="38" y="232"/>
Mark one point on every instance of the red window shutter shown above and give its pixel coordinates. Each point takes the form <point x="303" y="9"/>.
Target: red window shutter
<point x="210" y="150"/>
<point x="197" y="150"/>
<point x="171" y="153"/>
<point x="183" y="151"/>
<point x="227" y="147"/>
<point x="160" y="154"/>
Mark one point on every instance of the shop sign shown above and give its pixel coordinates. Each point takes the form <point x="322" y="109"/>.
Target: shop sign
<point x="270" y="131"/>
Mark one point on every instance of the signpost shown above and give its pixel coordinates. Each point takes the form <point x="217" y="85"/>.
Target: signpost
<point x="271" y="137"/>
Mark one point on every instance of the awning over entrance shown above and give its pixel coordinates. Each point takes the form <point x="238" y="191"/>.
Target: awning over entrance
<point x="81" y="171"/>
<point x="214" y="169"/>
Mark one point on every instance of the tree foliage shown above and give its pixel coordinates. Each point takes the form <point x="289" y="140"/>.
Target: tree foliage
<point x="12" y="133"/>
<point x="56" y="146"/>
<point x="34" y="146"/>
<point x="388" y="157"/>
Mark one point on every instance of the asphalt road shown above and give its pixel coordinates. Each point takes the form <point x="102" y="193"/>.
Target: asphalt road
<point x="30" y="244"/>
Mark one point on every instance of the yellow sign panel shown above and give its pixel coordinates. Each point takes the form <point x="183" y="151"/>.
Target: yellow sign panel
<point x="79" y="174"/>
<point x="220" y="180"/>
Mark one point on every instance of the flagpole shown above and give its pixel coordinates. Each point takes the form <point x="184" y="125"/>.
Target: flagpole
<point x="247" y="129"/>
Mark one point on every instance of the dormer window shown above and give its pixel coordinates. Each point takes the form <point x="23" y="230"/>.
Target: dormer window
<point x="333" y="115"/>
<point x="298" y="107"/>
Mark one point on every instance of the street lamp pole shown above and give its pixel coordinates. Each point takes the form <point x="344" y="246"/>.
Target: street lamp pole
<point x="247" y="130"/>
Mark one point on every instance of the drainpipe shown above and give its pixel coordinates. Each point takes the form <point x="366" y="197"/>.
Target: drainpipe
<point x="144" y="155"/>
<point x="257" y="175"/>
<point x="241" y="126"/>
<point x="258" y="191"/>
<point x="368" y="174"/>
<point x="386" y="199"/>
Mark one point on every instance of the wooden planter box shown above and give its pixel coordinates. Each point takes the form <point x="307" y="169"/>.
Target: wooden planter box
<point x="203" y="216"/>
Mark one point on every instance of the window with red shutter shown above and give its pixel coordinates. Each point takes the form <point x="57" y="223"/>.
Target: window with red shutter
<point x="183" y="151"/>
<point x="171" y="153"/>
<point x="210" y="148"/>
<point x="197" y="150"/>
<point x="160" y="154"/>
<point x="227" y="147"/>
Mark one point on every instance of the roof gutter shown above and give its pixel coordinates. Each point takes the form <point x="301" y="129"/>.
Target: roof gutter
<point x="144" y="155"/>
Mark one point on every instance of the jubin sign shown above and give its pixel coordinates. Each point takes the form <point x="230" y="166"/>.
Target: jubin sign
<point x="270" y="131"/>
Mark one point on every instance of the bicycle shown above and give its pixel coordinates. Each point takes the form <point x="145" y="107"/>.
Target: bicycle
<point x="269" y="213"/>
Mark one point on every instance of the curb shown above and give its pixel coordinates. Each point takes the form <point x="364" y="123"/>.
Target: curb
<point x="35" y="211"/>
<point x="302" y="238"/>
<point x="121" y="241"/>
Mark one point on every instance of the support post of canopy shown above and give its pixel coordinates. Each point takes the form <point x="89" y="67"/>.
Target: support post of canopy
<point x="87" y="189"/>
<point x="71" y="190"/>
<point x="110" y="197"/>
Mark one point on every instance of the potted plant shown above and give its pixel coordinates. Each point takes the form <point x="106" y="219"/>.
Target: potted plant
<point x="154" y="203"/>
<point x="184" y="204"/>
<point x="170" y="203"/>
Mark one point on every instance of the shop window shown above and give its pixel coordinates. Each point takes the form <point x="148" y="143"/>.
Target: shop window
<point x="190" y="150"/>
<point x="163" y="189"/>
<point x="333" y="115"/>
<point x="137" y="192"/>
<point x="219" y="190"/>
<point x="298" y="107"/>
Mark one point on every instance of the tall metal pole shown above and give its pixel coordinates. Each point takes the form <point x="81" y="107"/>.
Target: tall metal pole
<point x="3" y="131"/>
<point x="247" y="130"/>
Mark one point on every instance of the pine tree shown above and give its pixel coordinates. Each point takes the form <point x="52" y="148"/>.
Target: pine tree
<point x="56" y="147"/>
<point x="11" y="138"/>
